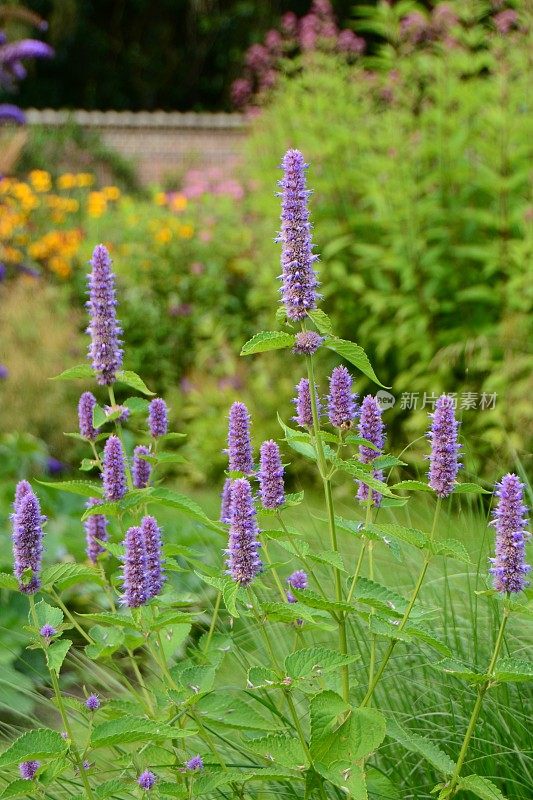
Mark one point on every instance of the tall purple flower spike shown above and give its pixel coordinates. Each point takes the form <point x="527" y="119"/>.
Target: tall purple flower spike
<point x="342" y="406"/>
<point x="510" y="519"/>
<point x="158" y="417"/>
<point x="444" y="461"/>
<point x="134" y="571"/>
<point x="243" y="561"/>
<point x="302" y="401"/>
<point x="28" y="542"/>
<point x="154" y="567"/>
<point x="114" y="471"/>
<point x="95" y="532"/>
<point x="298" y="580"/>
<point x="86" y="407"/>
<point x="22" y="489"/>
<point x="105" y="349"/>
<point x="239" y="445"/>
<point x="299" y="280"/>
<point x="371" y="427"/>
<point x="271" y="476"/>
<point x="225" y="506"/>
<point x="142" y="468"/>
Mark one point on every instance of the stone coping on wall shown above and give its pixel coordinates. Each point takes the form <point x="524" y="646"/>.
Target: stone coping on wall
<point x="135" y="119"/>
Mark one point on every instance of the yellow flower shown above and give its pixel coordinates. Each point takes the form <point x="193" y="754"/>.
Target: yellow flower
<point x="186" y="231"/>
<point x="40" y="180"/>
<point x="163" y="235"/>
<point x="96" y="204"/>
<point x="66" y="181"/>
<point x="111" y="192"/>
<point x="84" y="179"/>
<point x="178" y="202"/>
<point x="61" y="267"/>
<point x="160" y="199"/>
<point x="12" y="255"/>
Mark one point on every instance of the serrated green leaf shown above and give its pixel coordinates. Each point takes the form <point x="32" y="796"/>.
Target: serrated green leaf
<point x="409" y="535"/>
<point x="313" y="600"/>
<point x="38" y="744"/>
<point x="19" y="788"/>
<point x="469" y="488"/>
<point x="321" y="321"/>
<point x="47" y="615"/>
<point x="259" y="677"/>
<point x="136" y="405"/>
<point x="382" y="627"/>
<point x="355" y="355"/>
<point x="414" y="486"/>
<point x="180" y="502"/>
<point x="299" y="441"/>
<point x="421" y="745"/>
<point x="81" y="371"/>
<point x="315" y="661"/>
<point x="286" y="612"/>
<point x="451" y="547"/>
<point x="133" y="380"/>
<point x="359" y="471"/>
<point x="134" y="729"/>
<point x="380" y="787"/>
<point x="267" y="340"/>
<point x="481" y="787"/>
<point x="8" y="582"/>
<point x="380" y="597"/>
<point x="55" y="654"/>
<point x="328" y="557"/>
<point x="82" y="488"/>
<point x="111" y="618"/>
<point x="284" y="750"/>
<point x="458" y="670"/>
<point x="64" y="575"/>
<point x="513" y="669"/>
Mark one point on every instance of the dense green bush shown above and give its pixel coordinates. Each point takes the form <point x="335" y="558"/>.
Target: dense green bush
<point x="422" y="209"/>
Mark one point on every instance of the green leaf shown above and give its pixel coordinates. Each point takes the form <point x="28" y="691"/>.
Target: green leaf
<point x="458" y="670"/>
<point x="362" y="473"/>
<point x="136" y="405"/>
<point x="299" y="441"/>
<point x="37" y="744"/>
<point x="284" y="750"/>
<point x="313" y="600"/>
<point x="450" y="547"/>
<point x="132" y="380"/>
<point x="164" y="458"/>
<point x="513" y="669"/>
<point x="106" y="642"/>
<point x="481" y="787"/>
<point x="180" y="502"/>
<point x="469" y="488"/>
<point x="421" y="745"/>
<point x="88" y="464"/>
<point x="355" y="355"/>
<point x="47" y="615"/>
<point x="82" y="371"/>
<point x="260" y="677"/>
<point x="380" y="597"/>
<point x="342" y="733"/>
<point x="111" y="618"/>
<point x="82" y="488"/>
<point x="409" y="535"/>
<point x="18" y="788"/>
<point x="8" y="581"/>
<point x="267" y="340"/>
<point x="134" y="729"/>
<point x="100" y="417"/>
<point x="55" y="654"/>
<point x="321" y="320"/>
<point x="328" y="557"/>
<point x="380" y="787"/>
<point x="64" y="575"/>
<point x="315" y="661"/>
<point x="414" y="486"/>
<point x="286" y="612"/>
<point x="382" y="627"/>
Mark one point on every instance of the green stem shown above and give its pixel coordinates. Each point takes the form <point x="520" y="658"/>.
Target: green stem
<point x="213" y="621"/>
<point x="405" y="618"/>
<point x="372" y="664"/>
<point x="69" y="616"/>
<point x="275" y="575"/>
<point x="477" y="707"/>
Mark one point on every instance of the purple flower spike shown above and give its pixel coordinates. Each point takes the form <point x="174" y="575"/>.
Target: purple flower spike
<point x="154" y="569"/>
<point x="28" y="542"/>
<point x="105" y="349"/>
<point x="302" y="401"/>
<point x="225" y="506"/>
<point x="134" y="572"/>
<point x="342" y="407"/>
<point x="444" y="459"/>
<point x="47" y="631"/>
<point x="307" y="342"/>
<point x="510" y="519"/>
<point x="299" y="280"/>
<point x="194" y="764"/>
<point x="93" y="702"/>
<point x="23" y="488"/>
<point x="86" y="407"/>
<point x="243" y="561"/>
<point x="114" y="472"/>
<point x="147" y="780"/>
<point x="142" y="468"/>
<point x="158" y="417"/>
<point x="95" y="532"/>
<point x="271" y="476"/>
<point x="298" y="580"/>
<point x="28" y="769"/>
<point x="239" y="446"/>
<point x="371" y="427"/>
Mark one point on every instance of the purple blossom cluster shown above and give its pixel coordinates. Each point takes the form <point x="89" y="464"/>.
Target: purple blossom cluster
<point x="12" y="70"/>
<point x="141" y="469"/>
<point x="28" y="769"/>
<point x="27" y="523"/>
<point x="95" y="532"/>
<point x="372" y="428"/>
<point x="194" y="764"/>
<point x="47" y="632"/>
<point x="316" y="31"/>
<point x="86" y="406"/>
<point x="271" y="476"/>
<point x="105" y="349"/>
<point x="243" y="561"/>
<point x="298" y="580"/>
<point x="302" y="402"/>
<point x="444" y="459"/>
<point x="298" y="278"/>
<point x="417" y="28"/>
<point x="92" y="703"/>
<point x="225" y="506"/>
<point x="239" y="444"/>
<point x="342" y="404"/>
<point x="142" y="571"/>
<point x="509" y="566"/>
<point x="158" y="417"/>
<point x="147" y="780"/>
<point x="114" y="469"/>
<point x="306" y="343"/>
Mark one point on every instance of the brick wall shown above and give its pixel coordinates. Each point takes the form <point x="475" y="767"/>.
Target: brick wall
<point x="158" y="142"/>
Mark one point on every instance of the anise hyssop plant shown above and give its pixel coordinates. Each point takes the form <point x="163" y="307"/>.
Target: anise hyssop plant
<point x="245" y="685"/>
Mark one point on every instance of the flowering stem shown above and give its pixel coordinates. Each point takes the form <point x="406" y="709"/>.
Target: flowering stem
<point x="326" y="481"/>
<point x="405" y="618"/>
<point x="477" y="707"/>
<point x="274" y="573"/>
<point x="118" y="428"/>
<point x="213" y="621"/>
<point x="69" y="616"/>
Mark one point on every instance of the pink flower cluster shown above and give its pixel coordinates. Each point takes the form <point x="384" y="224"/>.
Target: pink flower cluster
<point x="214" y="181"/>
<point x="316" y="31"/>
